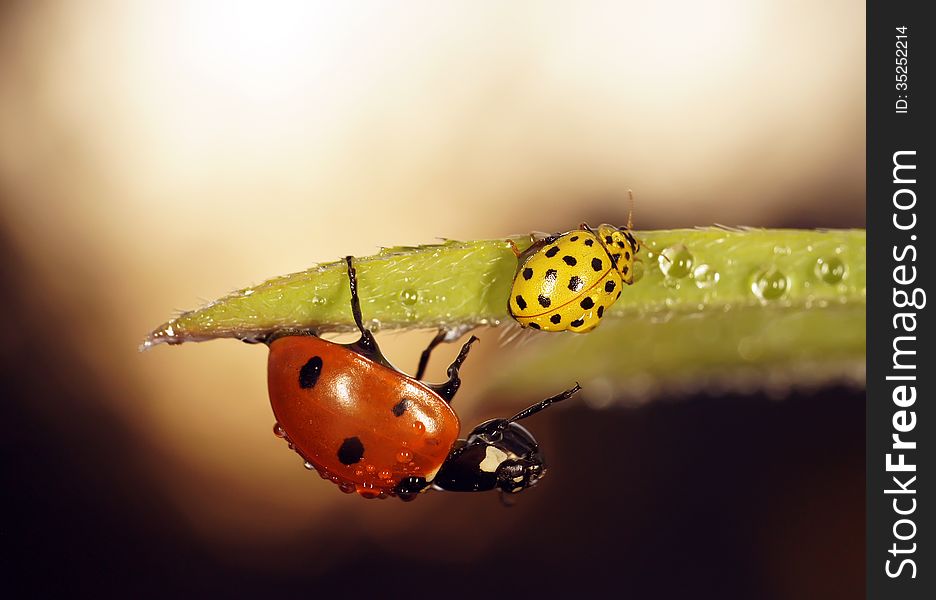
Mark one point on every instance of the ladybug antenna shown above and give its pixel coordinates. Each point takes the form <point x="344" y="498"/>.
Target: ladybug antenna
<point x="367" y="341"/>
<point x="630" y="213"/>
<point x="532" y="410"/>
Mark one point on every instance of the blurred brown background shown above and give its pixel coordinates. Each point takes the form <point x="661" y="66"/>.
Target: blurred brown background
<point x="155" y="155"/>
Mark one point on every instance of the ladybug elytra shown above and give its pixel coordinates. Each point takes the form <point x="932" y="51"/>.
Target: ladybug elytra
<point x="566" y="282"/>
<point x="374" y="430"/>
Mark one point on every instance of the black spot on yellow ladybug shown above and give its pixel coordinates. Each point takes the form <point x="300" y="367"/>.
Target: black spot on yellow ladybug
<point x="544" y="301"/>
<point x="569" y="260"/>
<point x="587" y="303"/>
<point x="600" y="311"/>
<point x="597" y="265"/>
<point x="534" y="325"/>
<point x="521" y="302"/>
<point x="574" y="238"/>
<point x="555" y="319"/>
<point x="577" y="323"/>
<point x="575" y="283"/>
<point x="552" y="251"/>
<point x="589" y="242"/>
<point x="551" y="274"/>
<point x="310" y="372"/>
<point x="609" y="286"/>
<point x="528" y="273"/>
<point x="351" y="451"/>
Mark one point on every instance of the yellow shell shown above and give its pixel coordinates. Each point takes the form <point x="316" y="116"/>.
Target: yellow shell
<point x="567" y="282"/>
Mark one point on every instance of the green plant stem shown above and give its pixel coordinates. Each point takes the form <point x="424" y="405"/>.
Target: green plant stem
<point x="459" y="285"/>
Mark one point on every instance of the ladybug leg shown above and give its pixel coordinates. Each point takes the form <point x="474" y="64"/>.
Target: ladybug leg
<point x="424" y="357"/>
<point x="367" y="341"/>
<point x="447" y="390"/>
<point x="532" y="410"/>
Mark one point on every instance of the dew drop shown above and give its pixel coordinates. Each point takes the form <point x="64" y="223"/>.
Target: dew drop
<point x="278" y="430"/>
<point x="830" y="269"/>
<point x="705" y="276"/>
<point x="359" y="473"/>
<point x="419" y="427"/>
<point x="370" y="469"/>
<point x="385" y="474"/>
<point x="309" y="466"/>
<point x="367" y="491"/>
<point x="347" y="487"/>
<point x="770" y="284"/>
<point x="409" y="296"/>
<point x="404" y="456"/>
<point x="676" y="261"/>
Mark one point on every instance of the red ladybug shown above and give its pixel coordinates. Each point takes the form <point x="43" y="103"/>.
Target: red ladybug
<point x="372" y="429"/>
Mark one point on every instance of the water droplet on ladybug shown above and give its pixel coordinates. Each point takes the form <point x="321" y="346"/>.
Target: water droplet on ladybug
<point x="385" y="474"/>
<point x="278" y="430"/>
<point x="370" y="468"/>
<point x="347" y="487"/>
<point x="309" y="466"/>
<point x="404" y="456"/>
<point x="419" y="427"/>
<point x="366" y="490"/>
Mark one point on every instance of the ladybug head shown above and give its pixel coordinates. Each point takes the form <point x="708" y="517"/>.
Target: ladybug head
<point x="619" y="242"/>
<point x="498" y="454"/>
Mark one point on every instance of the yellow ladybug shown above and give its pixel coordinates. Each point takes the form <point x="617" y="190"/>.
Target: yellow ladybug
<point x="567" y="281"/>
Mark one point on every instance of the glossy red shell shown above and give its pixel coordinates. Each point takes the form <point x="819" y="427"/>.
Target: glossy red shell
<point x="404" y="428"/>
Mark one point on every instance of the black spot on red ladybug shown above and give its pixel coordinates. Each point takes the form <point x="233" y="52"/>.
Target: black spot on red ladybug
<point x="555" y="319"/>
<point x="528" y="273"/>
<point x="551" y="274"/>
<point x="544" y="301"/>
<point x="587" y="303"/>
<point x="521" y="302"/>
<point x="552" y="251"/>
<point x="535" y="325"/>
<point x="574" y="238"/>
<point x="609" y="286"/>
<point x="351" y="451"/>
<point x="600" y="311"/>
<point x="569" y="260"/>
<point x="577" y="323"/>
<point x="575" y="283"/>
<point x="589" y="242"/>
<point x="400" y="407"/>
<point x="310" y="372"/>
<point x="597" y="264"/>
